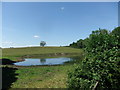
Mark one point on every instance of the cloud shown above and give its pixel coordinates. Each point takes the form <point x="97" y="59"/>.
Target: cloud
<point x="36" y="36"/>
<point x="62" y="8"/>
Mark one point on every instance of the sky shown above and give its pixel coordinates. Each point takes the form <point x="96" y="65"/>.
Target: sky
<point x="56" y="23"/>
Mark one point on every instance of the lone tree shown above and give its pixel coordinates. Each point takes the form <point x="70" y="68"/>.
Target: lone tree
<point x="42" y="43"/>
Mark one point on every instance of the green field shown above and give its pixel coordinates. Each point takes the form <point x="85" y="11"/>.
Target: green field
<point x="42" y="77"/>
<point x="39" y="76"/>
<point x="15" y="53"/>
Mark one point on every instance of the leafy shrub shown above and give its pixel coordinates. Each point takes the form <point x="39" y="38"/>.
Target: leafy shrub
<point x="100" y="68"/>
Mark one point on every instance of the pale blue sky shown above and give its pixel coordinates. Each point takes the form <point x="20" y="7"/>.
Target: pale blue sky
<point x="28" y="23"/>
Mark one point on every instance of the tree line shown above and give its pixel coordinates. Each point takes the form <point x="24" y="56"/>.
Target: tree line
<point x="82" y="43"/>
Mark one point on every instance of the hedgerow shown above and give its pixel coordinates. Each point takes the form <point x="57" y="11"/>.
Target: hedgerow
<point x="101" y="66"/>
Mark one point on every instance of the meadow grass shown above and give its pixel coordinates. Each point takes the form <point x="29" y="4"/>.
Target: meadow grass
<point x="40" y="76"/>
<point x="15" y="53"/>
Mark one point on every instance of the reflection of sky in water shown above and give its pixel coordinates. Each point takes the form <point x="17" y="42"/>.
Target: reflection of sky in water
<point x="47" y="61"/>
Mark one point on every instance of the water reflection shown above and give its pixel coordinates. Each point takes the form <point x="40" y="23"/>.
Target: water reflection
<point x="48" y="61"/>
<point x="76" y="59"/>
<point x="42" y="60"/>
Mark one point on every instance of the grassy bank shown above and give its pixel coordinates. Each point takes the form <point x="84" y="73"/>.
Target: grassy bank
<point x="38" y="76"/>
<point x="15" y="53"/>
<point x="42" y="77"/>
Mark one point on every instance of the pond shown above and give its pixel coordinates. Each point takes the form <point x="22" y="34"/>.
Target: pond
<point x="46" y="61"/>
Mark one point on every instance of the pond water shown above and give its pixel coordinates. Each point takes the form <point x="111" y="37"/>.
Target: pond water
<point x="46" y="61"/>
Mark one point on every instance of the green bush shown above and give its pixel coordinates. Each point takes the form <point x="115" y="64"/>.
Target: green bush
<point x="100" y="68"/>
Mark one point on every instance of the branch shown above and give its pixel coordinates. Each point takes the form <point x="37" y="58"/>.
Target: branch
<point x="95" y="85"/>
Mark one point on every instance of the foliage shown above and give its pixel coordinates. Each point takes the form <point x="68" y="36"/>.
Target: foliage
<point x="79" y="44"/>
<point x="74" y="45"/>
<point x="42" y="43"/>
<point x="101" y="65"/>
<point x="116" y="33"/>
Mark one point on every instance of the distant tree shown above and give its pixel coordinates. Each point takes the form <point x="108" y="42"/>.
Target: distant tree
<point x="79" y="44"/>
<point x="42" y="43"/>
<point x="74" y="45"/>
